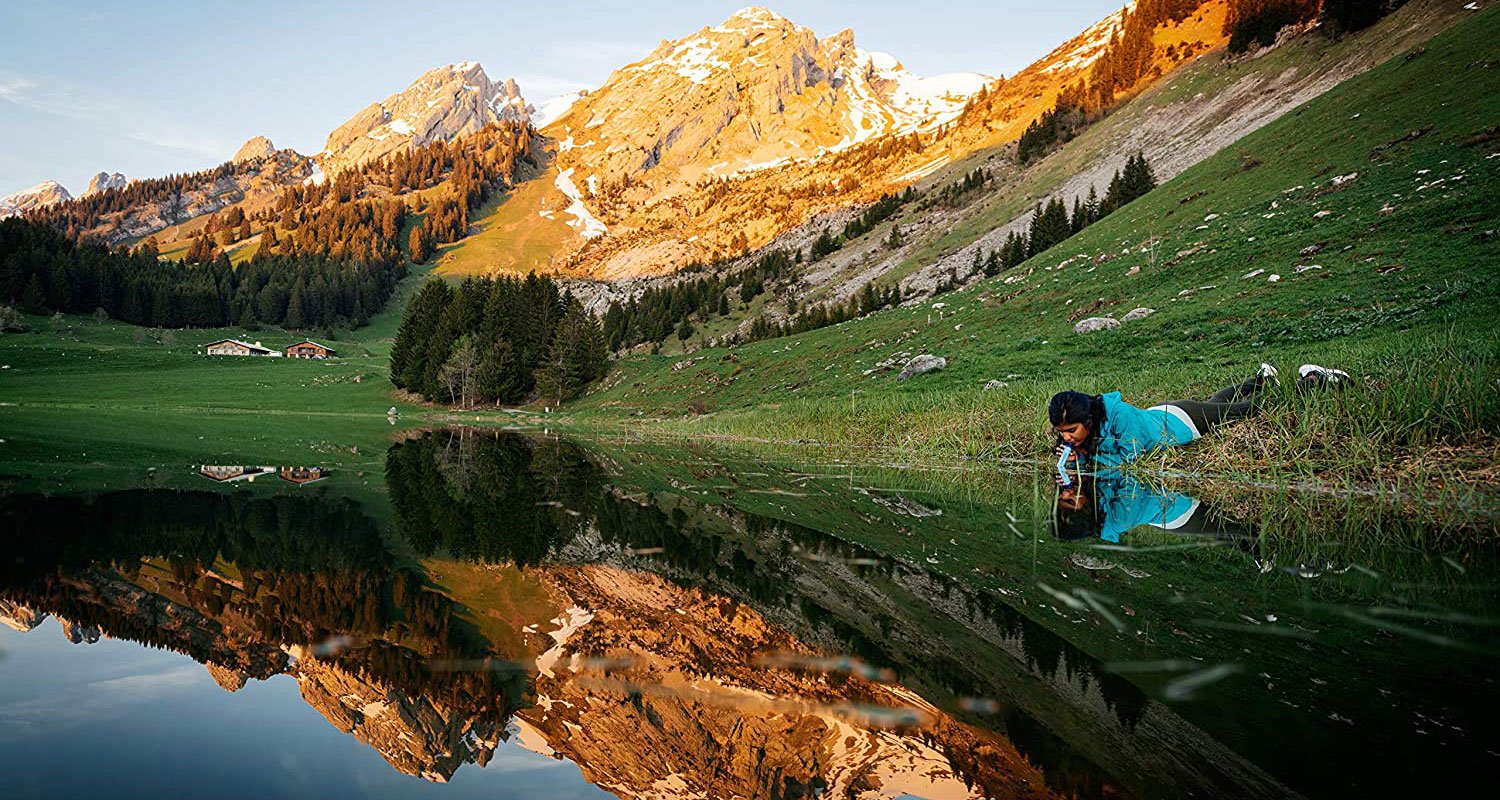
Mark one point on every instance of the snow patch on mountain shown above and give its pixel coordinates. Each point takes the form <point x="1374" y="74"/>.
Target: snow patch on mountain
<point x="45" y="193"/>
<point x="694" y="59"/>
<point x="583" y="221"/>
<point x="1090" y="44"/>
<point x="556" y="107"/>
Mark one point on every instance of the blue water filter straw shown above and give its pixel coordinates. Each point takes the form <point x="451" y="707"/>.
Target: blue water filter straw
<point x="1062" y="465"/>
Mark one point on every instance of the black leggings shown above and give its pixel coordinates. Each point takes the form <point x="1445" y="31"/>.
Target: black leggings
<point x="1230" y="403"/>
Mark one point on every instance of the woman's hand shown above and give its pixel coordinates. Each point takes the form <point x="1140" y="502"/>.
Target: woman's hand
<point x="1058" y="451"/>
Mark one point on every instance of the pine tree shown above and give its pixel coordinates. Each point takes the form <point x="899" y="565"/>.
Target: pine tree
<point x="1348" y="16"/>
<point x="419" y="244"/>
<point x="499" y="378"/>
<point x="268" y="242"/>
<point x="409" y="351"/>
<point x="1034" y="234"/>
<point x="993" y="264"/>
<point x="34" y="298"/>
<point x="295" y="315"/>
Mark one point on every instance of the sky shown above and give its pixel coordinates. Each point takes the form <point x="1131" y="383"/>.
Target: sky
<point x="150" y="88"/>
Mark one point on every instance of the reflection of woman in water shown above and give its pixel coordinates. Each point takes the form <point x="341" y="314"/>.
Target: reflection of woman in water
<point x="1110" y="503"/>
<point x="1112" y="432"/>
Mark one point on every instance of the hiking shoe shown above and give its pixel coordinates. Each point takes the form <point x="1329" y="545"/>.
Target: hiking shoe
<point x="1313" y="377"/>
<point x="1268" y="374"/>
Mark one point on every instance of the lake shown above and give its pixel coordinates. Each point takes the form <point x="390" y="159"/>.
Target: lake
<point x="482" y="613"/>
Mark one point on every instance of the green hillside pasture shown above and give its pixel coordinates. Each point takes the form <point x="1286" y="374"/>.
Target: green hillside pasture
<point x="1394" y="288"/>
<point x="76" y="362"/>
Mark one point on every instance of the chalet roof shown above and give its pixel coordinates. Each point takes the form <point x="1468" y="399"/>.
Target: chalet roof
<point x="248" y="345"/>
<point x="309" y="341"/>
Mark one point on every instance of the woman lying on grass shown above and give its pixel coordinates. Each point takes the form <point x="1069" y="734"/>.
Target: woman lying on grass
<point x="1111" y="432"/>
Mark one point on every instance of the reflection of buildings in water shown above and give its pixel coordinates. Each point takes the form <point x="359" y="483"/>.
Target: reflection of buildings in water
<point x="225" y="473"/>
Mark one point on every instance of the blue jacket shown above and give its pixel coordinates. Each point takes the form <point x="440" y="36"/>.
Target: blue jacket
<point x="1128" y="431"/>
<point x="1127" y="503"/>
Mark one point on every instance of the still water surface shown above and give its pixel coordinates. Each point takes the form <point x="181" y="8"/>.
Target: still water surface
<point x="519" y="616"/>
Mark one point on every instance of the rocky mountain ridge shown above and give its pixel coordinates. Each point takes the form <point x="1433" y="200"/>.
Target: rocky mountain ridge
<point x="104" y="180"/>
<point x="755" y="94"/>
<point x="443" y="104"/>
<point x="45" y="193"/>
<point x="253" y="184"/>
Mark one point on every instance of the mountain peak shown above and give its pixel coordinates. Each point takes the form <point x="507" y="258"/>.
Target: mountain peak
<point x="443" y="103"/>
<point x="103" y="181"/>
<point x="43" y="194"/>
<point x="253" y="148"/>
<point x="756" y="14"/>
<point x="758" y="92"/>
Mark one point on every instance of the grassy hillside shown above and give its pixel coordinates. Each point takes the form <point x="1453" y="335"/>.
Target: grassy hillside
<point x="512" y="236"/>
<point x="1200" y="97"/>
<point x="1176" y="121"/>
<point x="1399" y="295"/>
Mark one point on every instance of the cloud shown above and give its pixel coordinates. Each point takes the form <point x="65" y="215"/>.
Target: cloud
<point x="70" y="706"/>
<point x="109" y="113"/>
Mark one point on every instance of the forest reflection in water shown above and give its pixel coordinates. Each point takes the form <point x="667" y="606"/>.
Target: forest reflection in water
<point x="682" y="621"/>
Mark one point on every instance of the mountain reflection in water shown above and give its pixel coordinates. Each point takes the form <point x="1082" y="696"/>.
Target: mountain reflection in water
<point x="668" y="643"/>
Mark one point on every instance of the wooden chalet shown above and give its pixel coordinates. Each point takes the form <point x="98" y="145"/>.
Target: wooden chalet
<point x="311" y="349"/>
<point x="235" y="347"/>
<point x="301" y="475"/>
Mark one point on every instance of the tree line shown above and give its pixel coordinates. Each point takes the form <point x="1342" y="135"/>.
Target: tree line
<point x="1129" y="57"/>
<point x="327" y="255"/>
<point x="1051" y="223"/>
<point x="660" y="312"/>
<point x="42" y="270"/>
<point x="867" y="300"/>
<point x="79" y="216"/>
<point x="1257" y="22"/>
<point x="497" y="340"/>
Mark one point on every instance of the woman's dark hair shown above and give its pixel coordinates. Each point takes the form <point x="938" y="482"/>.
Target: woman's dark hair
<point x="1070" y="406"/>
<point x="1072" y="524"/>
